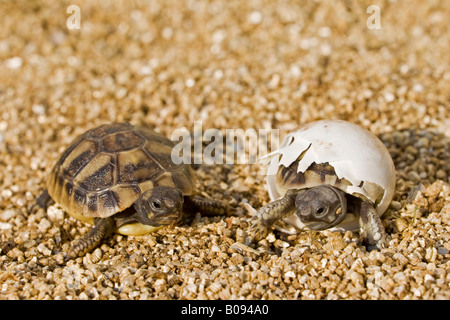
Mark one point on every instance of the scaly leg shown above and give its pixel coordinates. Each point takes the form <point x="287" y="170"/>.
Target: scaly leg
<point x="271" y="213"/>
<point x="372" y="228"/>
<point x="102" y="229"/>
<point x="205" y="206"/>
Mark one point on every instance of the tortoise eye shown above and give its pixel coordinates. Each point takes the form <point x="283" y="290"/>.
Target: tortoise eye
<point x="155" y="205"/>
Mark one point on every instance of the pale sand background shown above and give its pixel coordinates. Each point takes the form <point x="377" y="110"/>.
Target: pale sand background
<point x="231" y="64"/>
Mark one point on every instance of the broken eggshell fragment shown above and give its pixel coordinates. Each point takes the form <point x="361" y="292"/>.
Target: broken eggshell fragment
<point x="356" y="155"/>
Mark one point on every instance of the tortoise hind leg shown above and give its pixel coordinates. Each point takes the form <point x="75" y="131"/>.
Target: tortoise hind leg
<point x="103" y="228"/>
<point x="206" y="206"/>
<point x="42" y="202"/>
<point x="373" y="232"/>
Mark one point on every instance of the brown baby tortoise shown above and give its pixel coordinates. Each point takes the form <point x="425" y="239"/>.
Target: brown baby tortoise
<point x="317" y="199"/>
<point x="121" y="178"/>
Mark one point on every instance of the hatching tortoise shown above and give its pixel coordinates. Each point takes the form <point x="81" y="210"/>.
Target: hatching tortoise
<point x="329" y="174"/>
<point x="121" y="179"/>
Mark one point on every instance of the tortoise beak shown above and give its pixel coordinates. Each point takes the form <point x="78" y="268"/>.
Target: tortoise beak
<point x="170" y="217"/>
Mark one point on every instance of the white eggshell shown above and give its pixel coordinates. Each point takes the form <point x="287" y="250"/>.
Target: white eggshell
<point x="356" y="155"/>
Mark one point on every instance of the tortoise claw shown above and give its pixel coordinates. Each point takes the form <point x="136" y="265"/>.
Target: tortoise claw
<point x="257" y="230"/>
<point x="373" y="232"/>
<point x="378" y="245"/>
<point x="34" y="208"/>
<point x="42" y="202"/>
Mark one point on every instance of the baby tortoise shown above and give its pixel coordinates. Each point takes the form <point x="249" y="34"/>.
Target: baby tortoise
<point x="121" y="178"/>
<point x="329" y="174"/>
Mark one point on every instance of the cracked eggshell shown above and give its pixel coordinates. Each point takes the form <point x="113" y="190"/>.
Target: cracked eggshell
<point x="356" y="155"/>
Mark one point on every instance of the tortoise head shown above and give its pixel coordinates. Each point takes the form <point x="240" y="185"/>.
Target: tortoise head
<point x="159" y="206"/>
<point x="321" y="207"/>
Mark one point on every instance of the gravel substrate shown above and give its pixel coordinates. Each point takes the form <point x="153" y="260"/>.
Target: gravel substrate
<point x="230" y="64"/>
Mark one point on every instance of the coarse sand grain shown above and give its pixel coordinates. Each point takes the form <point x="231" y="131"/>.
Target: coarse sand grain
<point x="229" y="64"/>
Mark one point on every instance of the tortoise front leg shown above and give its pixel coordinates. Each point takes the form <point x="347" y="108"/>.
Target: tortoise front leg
<point x="205" y="206"/>
<point x="104" y="227"/>
<point x="271" y="213"/>
<point x="373" y="231"/>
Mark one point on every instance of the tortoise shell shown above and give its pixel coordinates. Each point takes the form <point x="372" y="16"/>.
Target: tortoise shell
<point x="106" y="169"/>
<point x="315" y="175"/>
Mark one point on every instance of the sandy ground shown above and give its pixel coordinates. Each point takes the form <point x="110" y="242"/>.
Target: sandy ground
<point x="230" y="64"/>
